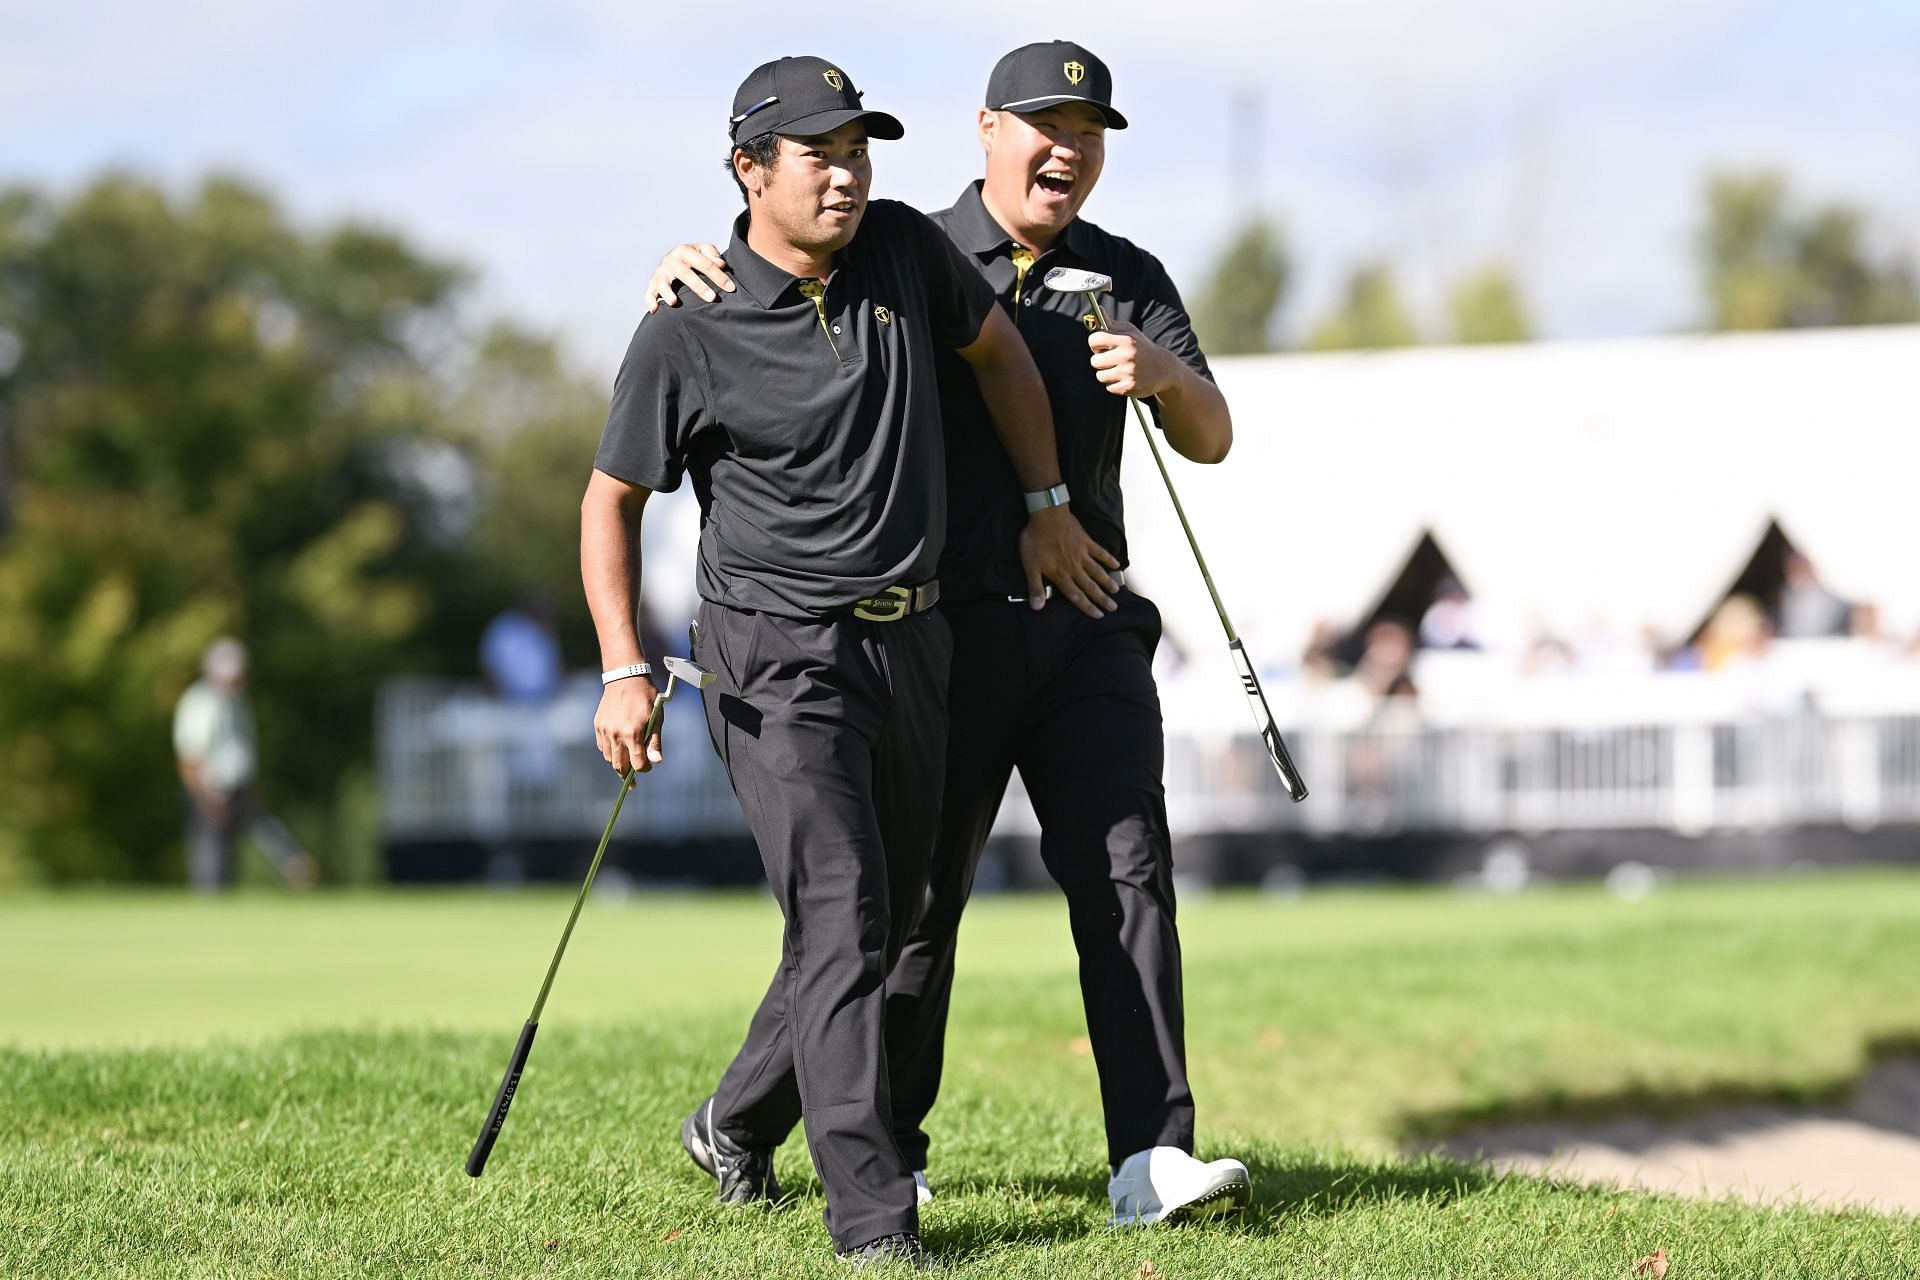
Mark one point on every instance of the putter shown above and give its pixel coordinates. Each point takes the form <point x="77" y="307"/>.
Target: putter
<point x="1093" y="284"/>
<point x="678" y="669"/>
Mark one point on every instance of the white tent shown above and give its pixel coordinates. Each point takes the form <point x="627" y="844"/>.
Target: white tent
<point x="1623" y="480"/>
<point x="1567" y="482"/>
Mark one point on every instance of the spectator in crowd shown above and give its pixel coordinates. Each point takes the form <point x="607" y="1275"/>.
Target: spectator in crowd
<point x="1386" y="665"/>
<point x="1807" y="608"/>
<point x="1737" y="633"/>
<point x="1322" y="663"/>
<point x="1548" y="655"/>
<point x="1450" y="621"/>
<point x="520" y="653"/>
<point x="213" y="742"/>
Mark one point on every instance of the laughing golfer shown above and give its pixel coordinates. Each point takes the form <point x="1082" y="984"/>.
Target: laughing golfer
<point x="1063" y="691"/>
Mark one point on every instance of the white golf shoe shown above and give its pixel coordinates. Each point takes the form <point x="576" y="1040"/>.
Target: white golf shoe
<point x="922" y="1193"/>
<point x="1165" y="1184"/>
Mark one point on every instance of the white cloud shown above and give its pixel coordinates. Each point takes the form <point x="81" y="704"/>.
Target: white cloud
<point x="562" y="148"/>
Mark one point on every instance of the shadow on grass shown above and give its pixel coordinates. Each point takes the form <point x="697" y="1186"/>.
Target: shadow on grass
<point x="1071" y="1206"/>
<point x="1649" y="1104"/>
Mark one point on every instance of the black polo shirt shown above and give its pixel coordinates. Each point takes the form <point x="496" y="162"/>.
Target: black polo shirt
<point x="985" y="513"/>
<point x="812" y="431"/>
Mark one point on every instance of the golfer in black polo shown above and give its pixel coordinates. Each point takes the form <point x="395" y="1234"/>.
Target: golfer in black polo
<point x="1064" y="692"/>
<point x="805" y="409"/>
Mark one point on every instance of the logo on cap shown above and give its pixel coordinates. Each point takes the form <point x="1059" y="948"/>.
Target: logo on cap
<point x="1076" y="72"/>
<point x="833" y="78"/>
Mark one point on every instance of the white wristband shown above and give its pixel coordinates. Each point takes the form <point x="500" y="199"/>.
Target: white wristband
<point x="622" y="673"/>
<point x="1041" y="499"/>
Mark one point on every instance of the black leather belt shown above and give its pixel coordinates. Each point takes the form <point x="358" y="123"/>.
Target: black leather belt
<point x="896" y="603"/>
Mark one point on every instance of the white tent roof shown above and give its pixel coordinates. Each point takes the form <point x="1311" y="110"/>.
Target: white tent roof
<point x="1567" y="482"/>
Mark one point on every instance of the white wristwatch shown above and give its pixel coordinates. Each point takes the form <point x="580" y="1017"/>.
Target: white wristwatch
<point x="1041" y="499"/>
<point x="626" y="672"/>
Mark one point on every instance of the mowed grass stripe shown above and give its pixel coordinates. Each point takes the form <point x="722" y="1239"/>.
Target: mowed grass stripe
<point x="1322" y="1031"/>
<point x="338" y="1155"/>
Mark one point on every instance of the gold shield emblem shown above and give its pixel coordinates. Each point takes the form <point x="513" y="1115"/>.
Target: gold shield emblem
<point x="834" y="78"/>
<point x="883" y="315"/>
<point x="1091" y="321"/>
<point x="1076" y="72"/>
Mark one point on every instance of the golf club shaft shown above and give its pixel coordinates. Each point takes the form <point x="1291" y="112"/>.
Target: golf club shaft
<point x="1249" y="682"/>
<point x="510" y="1083"/>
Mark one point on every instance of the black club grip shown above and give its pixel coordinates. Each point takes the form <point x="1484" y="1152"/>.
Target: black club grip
<point x="477" y="1160"/>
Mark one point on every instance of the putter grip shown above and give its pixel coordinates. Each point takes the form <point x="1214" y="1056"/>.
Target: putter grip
<point x="477" y="1160"/>
<point x="1269" y="731"/>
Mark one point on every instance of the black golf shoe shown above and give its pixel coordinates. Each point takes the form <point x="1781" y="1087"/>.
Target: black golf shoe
<point x="745" y="1174"/>
<point x="901" y="1249"/>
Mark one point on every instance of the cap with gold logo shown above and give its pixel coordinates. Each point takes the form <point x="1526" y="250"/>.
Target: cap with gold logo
<point x="801" y="98"/>
<point x="1037" y="76"/>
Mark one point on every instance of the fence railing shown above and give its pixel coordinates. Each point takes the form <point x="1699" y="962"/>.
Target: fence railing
<point x="457" y="765"/>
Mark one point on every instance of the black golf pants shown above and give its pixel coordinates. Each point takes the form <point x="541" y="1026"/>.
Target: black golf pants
<point x="1070" y="701"/>
<point x="834" y="735"/>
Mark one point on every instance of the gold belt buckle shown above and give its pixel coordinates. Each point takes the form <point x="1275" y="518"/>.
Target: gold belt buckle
<point x="889" y="606"/>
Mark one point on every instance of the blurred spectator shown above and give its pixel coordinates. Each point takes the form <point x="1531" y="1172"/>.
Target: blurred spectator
<point x="213" y="740"/>
<point x="1321" y="663"/>
<point x="1382" y="762"/>
<point x="1548" y="655"/>
<point x="1737" y="633"/>
<point x="520" y="656"/>
<point x="1807" y="608"/>
<point x="1386" y="664"/>
<point x="520" y="653"/>
<point x="1863" y="622"/>
<point x="1450" y="621"/>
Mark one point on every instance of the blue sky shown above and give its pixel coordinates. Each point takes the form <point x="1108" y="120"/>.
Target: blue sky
<point x="561" y="148"/>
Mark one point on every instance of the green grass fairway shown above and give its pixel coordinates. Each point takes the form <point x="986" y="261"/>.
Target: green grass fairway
<point x="278" y="1086"/>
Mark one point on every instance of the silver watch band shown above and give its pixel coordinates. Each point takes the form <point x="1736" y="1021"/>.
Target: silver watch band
<point x="1041" y="499"/>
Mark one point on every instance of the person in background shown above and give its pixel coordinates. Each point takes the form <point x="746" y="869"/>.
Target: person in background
<point x="1807" y="608"/>
<point x="520" y="653"/>
<point x="213" y="741"/>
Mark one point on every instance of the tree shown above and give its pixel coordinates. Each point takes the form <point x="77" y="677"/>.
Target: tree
<point x="1243" y="292"/>
<point x="206" y="416"/>
<point x="534" y="424"/>
<point x="1370" y="317"/>
<point x="1486" y="307"/>
<point x="1767" y="265"/>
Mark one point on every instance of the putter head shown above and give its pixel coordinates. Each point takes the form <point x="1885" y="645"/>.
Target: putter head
<point x="684" y="669"/>
<point x="1074" y="280"/>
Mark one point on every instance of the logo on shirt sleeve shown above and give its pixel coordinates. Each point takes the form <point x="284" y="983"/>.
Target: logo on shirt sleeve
<point x="1091" y="321"/>
<point x="883" y="315"/>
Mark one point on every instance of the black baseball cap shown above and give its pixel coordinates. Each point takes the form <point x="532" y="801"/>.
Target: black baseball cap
<point x="1037" y="76"/>
<point x="801" y="98"/>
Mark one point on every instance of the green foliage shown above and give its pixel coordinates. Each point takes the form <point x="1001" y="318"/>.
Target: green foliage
<point x="1371" y="316"/>
<point x="1486" y="308"/>
<point x="218" y="423"/>
<point x="1766" y="264"/>
<point x="1236" y="308"/>
<point x="537" y="426"/>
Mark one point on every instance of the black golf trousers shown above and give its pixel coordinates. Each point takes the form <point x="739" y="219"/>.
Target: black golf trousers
<point x="834" y="735"/>
<point x="1070" y="701"/>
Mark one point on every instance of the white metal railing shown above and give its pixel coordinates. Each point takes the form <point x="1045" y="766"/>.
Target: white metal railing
<point x="455" y="764"/>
